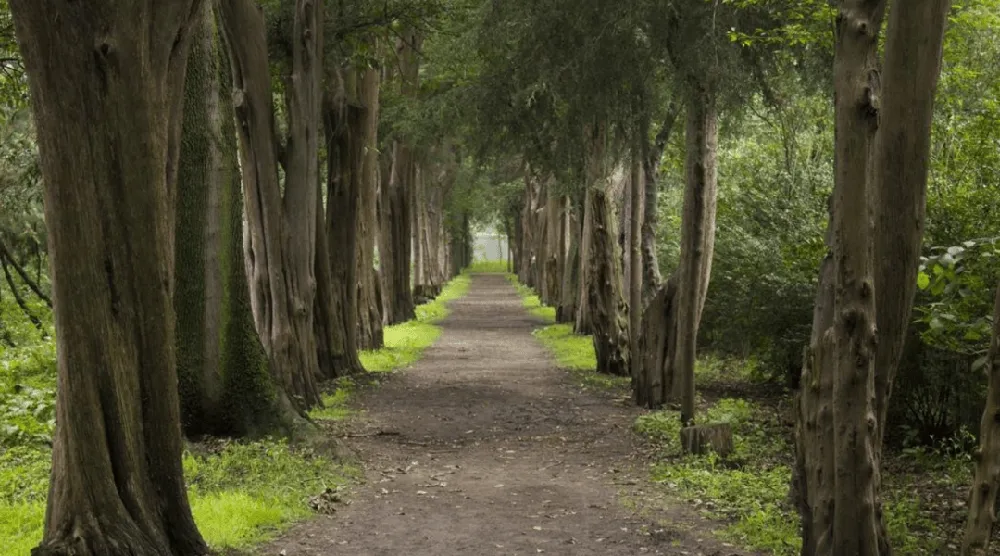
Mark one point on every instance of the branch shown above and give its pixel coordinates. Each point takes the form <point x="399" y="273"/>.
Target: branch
<point x="20" y="300"/>
<point x="5" y="253"/>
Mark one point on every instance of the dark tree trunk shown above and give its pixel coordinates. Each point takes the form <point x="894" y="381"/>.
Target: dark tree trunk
<point x="697" y="237"/>
<point x="224" y="380"/>
<point x="386" y="222"/>
<point x="369" y="302"/>
<point x="280" y="229"/>
<point x="983" y="494"/>
<point x="607" y="306"/>
<point x="650" y="168"/>
<point x="337" y="239"/>
<point x="636" y="274"/>
<point x="108" y="128"/>
<point x="568" y="290"/>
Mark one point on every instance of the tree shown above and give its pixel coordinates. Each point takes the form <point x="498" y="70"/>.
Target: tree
<point x="224" y="379"/>
<point x="108" y="118"/>
<point x="882" y="144"/>
<point x="983" y="494"/>
<point x="281" y="221"/>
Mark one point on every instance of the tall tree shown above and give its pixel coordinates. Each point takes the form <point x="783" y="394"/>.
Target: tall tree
<point x="983" y="494"/>
<point x="882" y="145"/>
<point x="369" y="302"/>
<point x="224" y="379"/>
<point x="108" y="118"/>
<point x="281" y="221"/>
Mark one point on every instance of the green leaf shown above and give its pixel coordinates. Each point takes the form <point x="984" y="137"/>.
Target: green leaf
<point x="923" y="280"/>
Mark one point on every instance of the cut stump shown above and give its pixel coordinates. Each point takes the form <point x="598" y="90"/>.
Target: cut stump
<point x="699" y="439"/>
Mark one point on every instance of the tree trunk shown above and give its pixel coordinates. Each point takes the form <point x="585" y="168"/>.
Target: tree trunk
<point x="386" y="274"/>
<point x="636" y="274"/>
<point x="369" y="304"/>
<point x="913" y="50"/>
<point x="106" y="144"/>
<point x="224" y="381"/>
<point x="400" y="189"/>
<point x="697" y="237"/>
<point x="607" y="306"/>
<point x="983" y="494"/>
<point x="650" y="165"/>
<point x="337" y="237"/>
<point x="553" y="248"/>
<point x="280" y="229"/>
<point x="568" y="290"/>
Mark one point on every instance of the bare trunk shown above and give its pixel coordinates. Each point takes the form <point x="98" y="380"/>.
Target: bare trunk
<point x="280" y="230"/>
<point x="117" y="483"/>
<point x="697" y="238"/>
<point x="369" y="304"/>
<point x="607" y="306"/>
<point x="386" y="274"/>
<point x="650" y="168"/>
<point x="636" y="274"/>
<point x="568" y="291"/>
<point x="983" y="494"/>
<point x="224" y="380"/>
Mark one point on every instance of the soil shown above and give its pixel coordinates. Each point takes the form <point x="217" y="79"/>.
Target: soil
<point x="486" y="447"/>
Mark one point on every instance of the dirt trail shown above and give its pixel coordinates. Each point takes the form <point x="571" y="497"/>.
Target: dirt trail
<point x="485" y="447"/>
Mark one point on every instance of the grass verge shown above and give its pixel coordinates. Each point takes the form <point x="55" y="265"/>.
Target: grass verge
<point x="573" y="352"/>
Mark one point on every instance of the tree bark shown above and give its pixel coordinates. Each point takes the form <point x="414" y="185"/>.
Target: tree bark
<point x="401" y="186"/>
<point x="607" y="306"/>
<point x="224" y="380"/>
<point x="651" y="278"/>
<point x="697" y="237"/>
<point x="983" y="494"/>
<point x="569" y="288"/>
<point x="369" y="304"/>
<point x="337" y="231"/>
<point x="107" y="125"/>
<point x="280" y="230"/>
<point x="913" y="50"/>
<point x="636" y="276"/>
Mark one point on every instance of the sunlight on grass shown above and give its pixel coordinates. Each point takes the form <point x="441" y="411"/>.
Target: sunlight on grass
<point x="335" y="404"/>
<point x="239" y="520"/>
<point x="488" y="267"/>
<point x="21" y="526"/>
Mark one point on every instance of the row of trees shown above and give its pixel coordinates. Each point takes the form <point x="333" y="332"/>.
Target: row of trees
<point x="230" y="216"/>
<point x="240" y="194"/>
<point x="602" y="274"/>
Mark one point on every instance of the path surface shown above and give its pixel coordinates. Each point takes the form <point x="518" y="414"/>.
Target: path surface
<point x="487" y="448"/>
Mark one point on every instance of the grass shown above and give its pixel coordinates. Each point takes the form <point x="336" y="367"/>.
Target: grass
<point x="488" y="267"/>
<point x="573" y="352"/>
<point x="404" y="343"/>
<point x="749" y="491"/>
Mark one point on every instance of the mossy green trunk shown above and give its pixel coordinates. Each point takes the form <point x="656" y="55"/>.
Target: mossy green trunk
<point x="225" y="385"/>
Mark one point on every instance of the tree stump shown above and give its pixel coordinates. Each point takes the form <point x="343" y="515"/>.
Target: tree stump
<point x="699" y="439"/>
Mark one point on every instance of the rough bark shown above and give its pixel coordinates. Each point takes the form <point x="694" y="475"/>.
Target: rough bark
<point x="697" y="237"/>
<point x="555" y="255"/>
<point x="913" y="50"/>
<point x="386" y="275"/>
<point x="657" y="345"/>
<point x="369" y="303"/>
<point x="400" y="189"/>
<point x="651" y="278"/>
<point x="608" y="315"/>
<point x="280" y="229"/>
<point x="702" y="439"/>
<point x="636" y="275"/>
<point x="568" y="297"/>
<point x="101" y="89"/>
<point x="983" y="494"/>
<point x="337" y="231"/>
<point x="224" y="381"/>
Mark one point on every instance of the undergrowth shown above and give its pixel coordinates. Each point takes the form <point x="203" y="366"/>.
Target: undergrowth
<point x="749" y="490"/>
<point x="488" y="267"/>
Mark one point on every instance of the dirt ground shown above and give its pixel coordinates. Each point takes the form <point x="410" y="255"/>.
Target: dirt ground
<point x="486" y="447"/>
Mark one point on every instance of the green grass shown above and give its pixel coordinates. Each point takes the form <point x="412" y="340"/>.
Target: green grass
<point x="488" y="267"/>
<point x="573" y="352"/>
<point x="336" y="404"/>
<point x="404" y="343"/>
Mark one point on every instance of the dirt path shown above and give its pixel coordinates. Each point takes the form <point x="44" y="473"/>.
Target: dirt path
<point x="485" y="447"/>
